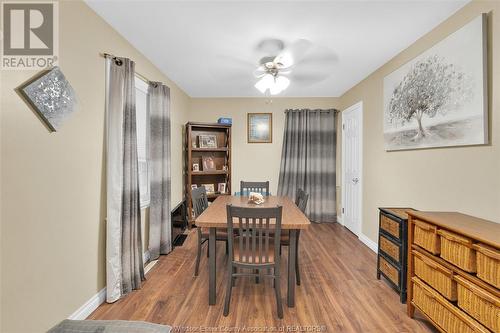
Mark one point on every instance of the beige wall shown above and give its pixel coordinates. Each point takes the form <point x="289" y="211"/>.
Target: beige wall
<point x="254" y="161"/>
<point x="462" y="179"/>
<point x="53" y="184"/>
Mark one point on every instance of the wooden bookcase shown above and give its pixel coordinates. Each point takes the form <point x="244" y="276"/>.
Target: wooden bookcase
<point x="220" y="155"/>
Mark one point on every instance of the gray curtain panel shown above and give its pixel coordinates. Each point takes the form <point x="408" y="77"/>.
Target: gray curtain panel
<point x="308" y="160"/>
<point x="160" y="236"/>
<point x="124" y="264"/>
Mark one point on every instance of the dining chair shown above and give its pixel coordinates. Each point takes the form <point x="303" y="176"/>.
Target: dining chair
<point x="259" y="187"/>
<point x="200" y="203"/>
<point x="301" y="198"/>
<point x="253" y="248"/>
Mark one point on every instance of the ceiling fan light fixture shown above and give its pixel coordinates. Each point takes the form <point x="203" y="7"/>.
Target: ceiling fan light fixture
<point x="280" y="83"/>
<point x="264" y="83"/>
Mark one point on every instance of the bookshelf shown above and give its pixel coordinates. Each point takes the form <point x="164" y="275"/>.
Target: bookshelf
<point x="209" y="147"/>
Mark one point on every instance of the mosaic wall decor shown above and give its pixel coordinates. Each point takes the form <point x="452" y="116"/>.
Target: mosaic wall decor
<point x="52" y="97"/>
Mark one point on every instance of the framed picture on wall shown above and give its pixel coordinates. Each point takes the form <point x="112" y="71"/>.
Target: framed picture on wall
<point x="260" y="127"/>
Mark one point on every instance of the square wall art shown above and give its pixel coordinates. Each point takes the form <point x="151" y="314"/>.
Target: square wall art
<point x="52" y="97"/>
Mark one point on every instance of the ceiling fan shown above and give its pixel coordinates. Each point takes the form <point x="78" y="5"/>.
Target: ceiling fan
<point x="300" y="62"/>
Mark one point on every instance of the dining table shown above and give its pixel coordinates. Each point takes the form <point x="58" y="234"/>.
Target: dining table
<point x="215" y="216"/>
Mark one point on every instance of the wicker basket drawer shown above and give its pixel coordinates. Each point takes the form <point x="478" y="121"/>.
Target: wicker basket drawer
<point x="434" y="274"/>
<point x="426" y="236"/>
<point x="390" y="226"/>
<point x="391" y="272"/>
<point x="479" y="303"/>
<point x="443" y="313"/>
<point x="488" y="264"/>
<point x="458" y="250"/>
<point x="389" y="248"/>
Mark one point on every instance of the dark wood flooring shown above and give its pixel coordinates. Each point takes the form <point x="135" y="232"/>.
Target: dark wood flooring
<point x="339" y="292"/>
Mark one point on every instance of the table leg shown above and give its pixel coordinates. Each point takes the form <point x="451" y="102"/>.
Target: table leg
<point x="211" y="267"/>
<point x="292" y="250"/>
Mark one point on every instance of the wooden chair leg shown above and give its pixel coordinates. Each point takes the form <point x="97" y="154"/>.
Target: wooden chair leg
<point x="256" y="271"/>
<point x="228" y="289"/>
<point x="277" y="290"/>
<point x="297" y="271"/>
<point x="198" y="257"/>
<point x="235" y="270"/>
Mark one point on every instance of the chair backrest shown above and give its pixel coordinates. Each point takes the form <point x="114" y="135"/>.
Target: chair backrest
<point x="259" y="187"/>
<point x="301" y="198"/>
<point x="259" y="230"/>
<point x="200" y="200"/>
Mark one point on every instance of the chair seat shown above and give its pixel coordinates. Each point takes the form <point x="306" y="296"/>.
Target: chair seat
<point x="260" y="258"/>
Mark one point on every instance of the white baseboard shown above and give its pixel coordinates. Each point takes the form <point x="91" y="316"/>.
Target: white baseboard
<point x="339" y="220"/>
<point x="368" y="242"/>
<point x="86" y="309"/>
<point x="93" y="303"/>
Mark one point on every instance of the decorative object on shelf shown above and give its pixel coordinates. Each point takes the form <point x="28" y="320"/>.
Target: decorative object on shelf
<point x="224" y="168"/>
<point x="392" y="247"/>
<point x="221" y="188"/>
<point x="208" y="141"/>
<point x="256" y="198"/>
<point x="444" y="283"/>
<point x="208" y="163"/>
<point x="439" y="99"/>
<point x="260" y="127"/>
<point x="210" y="188"/>
<point x="52" y="97"/>
<point x="196" y="167"/>
<point x="194" y="186"/>
<point x="194" y="144"/>
<point x="223" y="120"/>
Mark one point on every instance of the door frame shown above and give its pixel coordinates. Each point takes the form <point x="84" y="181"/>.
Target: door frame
<point x="358" y="107"/>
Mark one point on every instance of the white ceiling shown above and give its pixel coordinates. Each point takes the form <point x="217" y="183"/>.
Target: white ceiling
<point x="187" y="39"/>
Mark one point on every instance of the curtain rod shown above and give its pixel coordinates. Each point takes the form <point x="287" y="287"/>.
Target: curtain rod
<point x="140" y="76"/>
<point x="313" y="110"/>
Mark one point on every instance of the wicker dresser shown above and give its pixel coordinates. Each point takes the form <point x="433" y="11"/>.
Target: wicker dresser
<point x="454" y="271"/>
<point x="392" y="246"/>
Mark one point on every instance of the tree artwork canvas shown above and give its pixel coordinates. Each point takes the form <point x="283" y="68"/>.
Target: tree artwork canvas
<point x="439" y="98"/>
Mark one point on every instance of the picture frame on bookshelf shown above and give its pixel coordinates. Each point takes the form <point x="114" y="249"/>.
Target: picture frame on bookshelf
<point x="210" y="188"/>
<point x="208" y="163"/>
<point x="194" y="186"/>
<point x="207" y="141"/>
<point x="196" y="167"/>
<point x="221" y="188"/>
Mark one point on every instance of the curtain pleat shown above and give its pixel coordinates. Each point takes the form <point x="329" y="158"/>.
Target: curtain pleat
<point x="124" y="263"/>
<point x="160" y="231"/>
<point x="308" y="161"/>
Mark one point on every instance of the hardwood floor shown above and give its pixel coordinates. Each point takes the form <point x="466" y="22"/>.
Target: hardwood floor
<point x="339" y="292"/>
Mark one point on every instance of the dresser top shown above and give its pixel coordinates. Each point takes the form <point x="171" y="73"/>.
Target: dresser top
<point x="399" y="212"/>
<point x="481" y="230"/>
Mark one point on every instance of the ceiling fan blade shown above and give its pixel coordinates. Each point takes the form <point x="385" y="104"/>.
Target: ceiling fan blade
<point x="293" y="53"/>
<point x="260" y="71"/>
<point x="232" y="69"/>
<point x="318" y="56"/>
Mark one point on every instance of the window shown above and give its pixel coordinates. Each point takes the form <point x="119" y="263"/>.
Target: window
<point x="141" y="106"/>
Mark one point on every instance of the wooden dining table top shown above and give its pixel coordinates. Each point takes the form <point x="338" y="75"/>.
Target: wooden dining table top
<point x="216" y="214"/>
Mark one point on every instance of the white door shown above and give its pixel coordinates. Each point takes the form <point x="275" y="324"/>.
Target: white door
<point x="352" y="154"/>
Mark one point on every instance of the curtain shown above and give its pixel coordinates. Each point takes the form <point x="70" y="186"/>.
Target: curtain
<point x="160" y="232"/>
<point x="308" y="160"/>
<point x="124" y="265"/>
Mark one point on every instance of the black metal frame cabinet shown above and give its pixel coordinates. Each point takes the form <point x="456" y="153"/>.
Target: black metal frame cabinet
<point x="393" y="224"/>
